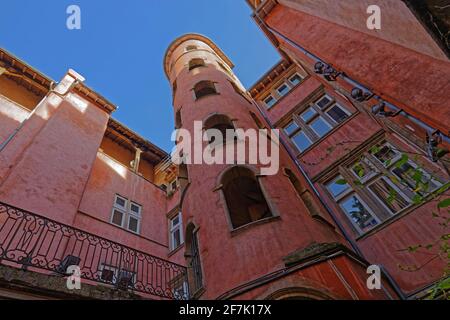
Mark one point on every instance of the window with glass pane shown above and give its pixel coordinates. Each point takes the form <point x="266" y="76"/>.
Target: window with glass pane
<point x="358" y="213"/>
<point x="337" y="113"/>
<point x="417" y="180"/>
<point x="134" y="217"/>
<point x="117" y="217"/>
<point x="133" y="224"/>
<point x="308" y="114"/>
<point x="283" y="89"/>
<point x="301" y="141"/>
<point x="364" y="170"/>
<point x="176" y="235"/>
<point x="323" y="102"/>
<point x="338" y="187"/>
<point x="290" y="128"/>
<point x="387" y="194"/>
<point x="295" y="79"/>
<point x="386" y="154"/>
<point x="320" y="126"/>
<point x="270" y="101"/>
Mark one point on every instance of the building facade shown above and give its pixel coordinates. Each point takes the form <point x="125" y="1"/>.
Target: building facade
<point x="362" y="166"/>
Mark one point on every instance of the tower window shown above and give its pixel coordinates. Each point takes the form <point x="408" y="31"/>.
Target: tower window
<point x="191" y="48"/>
<point x="196" y="63"/>
<point x="245" y="201"/>
<point x="176" y="232"/>
<point x="219" y="122"/>
<point x="204" y="88"/>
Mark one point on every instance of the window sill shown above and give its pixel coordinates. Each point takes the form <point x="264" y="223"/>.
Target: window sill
<point x="247" y="226"/>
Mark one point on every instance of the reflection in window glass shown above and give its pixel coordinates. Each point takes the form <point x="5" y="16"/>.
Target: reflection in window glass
<point x="295" y="79"/>
<point x="308" y="114"/>
<point x="283" y="89"/>
<point x="386" y="154"/>
<point x="301" y="141"/>
<point x="358" y="213"/>
<point x="270" y="101"/>
<point x="337" y="114"/>
<point x="338" y="186"/>
<point x="323" y="102"/>
<point x="389" y="196"/>
<point x="410" y="176"/>
<point x="290" y="128"/>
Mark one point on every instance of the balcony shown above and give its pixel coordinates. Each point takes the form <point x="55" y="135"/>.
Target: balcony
<point x="35" y="243"/>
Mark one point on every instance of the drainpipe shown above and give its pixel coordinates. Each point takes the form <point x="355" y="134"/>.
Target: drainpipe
<point x="353" y="244"/>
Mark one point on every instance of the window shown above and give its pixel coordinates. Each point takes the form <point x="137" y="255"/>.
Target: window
<point x="320" y="126"/>
<point x="355" y="210"/>
<point x="383" y="178"/>
<point x="270" y="101"/>
<point x="295" y="79"/>
<point x="283" y="89"/>
<point x="223" y="124"/>
<point x="176" y="231"/>
<point x="337" y="113"/>
<point x="196" y="63"/>
<point x="323" y="102"/>
<point x="204" y="88"/>
<point x="191" y="48"/>
<point x="301" y="140"/>
<point x="314" y="122"/>
<point x="126" y="214"/>
<point x="245" y="201"/>
<point x="290" y="128"/>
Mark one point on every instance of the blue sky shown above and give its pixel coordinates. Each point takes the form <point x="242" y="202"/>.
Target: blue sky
<point x="121" y="45"/>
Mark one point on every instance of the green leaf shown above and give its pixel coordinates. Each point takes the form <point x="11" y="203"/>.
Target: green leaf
<point x="444" y="203"/>
<point x="341" y="182"/>
<point x="402" y="160"/>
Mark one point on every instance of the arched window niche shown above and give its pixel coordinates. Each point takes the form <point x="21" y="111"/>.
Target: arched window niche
<point x="245" y="200"/>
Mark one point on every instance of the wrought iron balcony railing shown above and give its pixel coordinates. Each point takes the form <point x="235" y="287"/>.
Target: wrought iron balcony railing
<point x="28" y="240"/>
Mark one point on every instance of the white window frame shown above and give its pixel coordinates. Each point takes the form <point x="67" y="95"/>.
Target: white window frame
<point x="322" y="97"/>
<point x="173" y="228"/>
